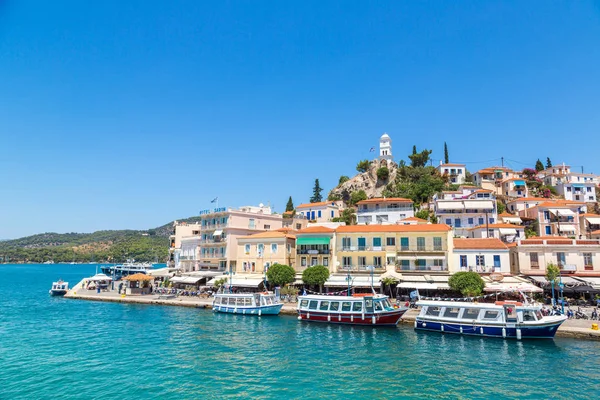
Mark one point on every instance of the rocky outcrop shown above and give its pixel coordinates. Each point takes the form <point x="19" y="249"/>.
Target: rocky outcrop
<point x="367" y="181"/>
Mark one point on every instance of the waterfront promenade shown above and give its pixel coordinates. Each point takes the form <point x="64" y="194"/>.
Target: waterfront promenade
<point x="574" y="328"/>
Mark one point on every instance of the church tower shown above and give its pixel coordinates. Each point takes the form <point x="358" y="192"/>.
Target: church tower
<point x="385" y="147"/>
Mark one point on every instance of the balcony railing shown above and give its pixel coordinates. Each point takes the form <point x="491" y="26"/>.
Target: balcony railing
<point x="384" y="209"/>
<point x="203" y="256"/>
<point x="420" y="248"/>
<point x="311" y="252"/>
<point x="481" y="269"/>
<point x="215" y="226"/>
<point x="360" y="268"/>
<point x="416" y="268"/>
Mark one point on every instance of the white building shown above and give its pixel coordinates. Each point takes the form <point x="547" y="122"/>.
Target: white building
<point x="556" y="217"/>
<point x="524" y="203"/>
<point x="456" y="173"/>
<point x="385" y="147"/>
<point x="384" y="211"/>
<point x="572" y="186"/>
<point x="473" y="208"/>
<point x="323" y="211"/>
<point x="514" y="188"/>
<point x="481" y="255"/>
<point x="507" y="233"/>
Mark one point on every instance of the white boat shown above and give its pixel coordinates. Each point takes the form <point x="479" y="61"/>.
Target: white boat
<point x="502" y="319"/>
<point x="128" y="268"/>
<point x="49" y="262"/>
<point x="265" y="303"/>
<point x="59" y="288"/>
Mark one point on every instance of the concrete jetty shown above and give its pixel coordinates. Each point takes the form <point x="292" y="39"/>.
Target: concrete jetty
<point x="577" y="329"/>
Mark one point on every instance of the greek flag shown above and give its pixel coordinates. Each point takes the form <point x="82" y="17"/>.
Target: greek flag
<point x="414" y="294"/>
<point x="214" y="200"/>
<point x="372" y="149"/>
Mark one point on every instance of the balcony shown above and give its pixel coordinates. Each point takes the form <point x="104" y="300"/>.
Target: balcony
<point x="361" y="268"/>
<point x="384" y="209"/>
<point x="187" y="258"/>
<point x="422" y="249"/>
<point x="366" y="248"/>
<point x="419" y="268"/>
<point x="313" y="252"/>
<point x="480" y="269"/>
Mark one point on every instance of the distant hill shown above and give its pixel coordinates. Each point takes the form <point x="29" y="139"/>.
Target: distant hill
<point x="101" y="246"/>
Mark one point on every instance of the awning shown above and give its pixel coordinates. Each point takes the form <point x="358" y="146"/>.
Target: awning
<point x="540" y="280"/>
<point x="99" y="277"/>
<point x="570" y="282"/>
<point x="512" y="220"/>
<point x="593" y="220"/>
<point x="479" y="205"/>
<point x="507" y="287"/>
<point x="313" y="240"/>
<point x="507" y="231"/>
<point x="566" y="228"/>
<point x="519" y="183"/>
<point x="563" y="212"/>
<point x="239" y="280"/>
<point x="578" y="185"/>
<point x="190" y="280"/>
<point x="218" y="232"/>
<point x="594" y="282"/>
<point x="355" y="281"/>
<point x="450" y="205"/>
<point x="420" y="285"/>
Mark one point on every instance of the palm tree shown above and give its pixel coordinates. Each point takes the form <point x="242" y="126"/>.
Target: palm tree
<point x="388" y="281"/>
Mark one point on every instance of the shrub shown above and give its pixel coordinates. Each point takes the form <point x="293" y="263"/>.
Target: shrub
<point x="281" y="275"/>
<point x="363" y="166"/>
<point x="467" y="283"/>
<point x="357" y="196"/>
<point x="316" y="275"/>
<point x="383" y="173"/>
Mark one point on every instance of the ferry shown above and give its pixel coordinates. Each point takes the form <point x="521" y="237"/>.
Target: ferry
<point x="59" y="288"/>
<point x="502" y="319"/>
<point x="358" y="309"/>
<point x="264" y="303"/>
<point x="128" y="268"/>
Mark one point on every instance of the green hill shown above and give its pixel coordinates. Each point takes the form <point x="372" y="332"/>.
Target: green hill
<point x="100" y="246"/>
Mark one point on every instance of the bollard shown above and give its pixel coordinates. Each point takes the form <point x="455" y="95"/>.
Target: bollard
<point x="595" y="327"/>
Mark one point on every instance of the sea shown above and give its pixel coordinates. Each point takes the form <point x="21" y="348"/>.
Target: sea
<point x="56" y="348"/>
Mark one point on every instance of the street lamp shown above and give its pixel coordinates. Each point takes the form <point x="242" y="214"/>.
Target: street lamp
<point x="561" y="285"/>
<point x="371" y="268"/>
<point x="230" y="273"/>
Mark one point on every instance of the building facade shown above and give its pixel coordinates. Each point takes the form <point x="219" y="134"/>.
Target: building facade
<point x="514" y="188"/>
<point x="257" y="252"/>
<point x="481" y="255"/>
<point x="314" y="246"/>
<point x="384" y="211"/>
<point x="456" y="173"/>
<point x="320" y="212"/>
<point x="473" y="208"/>
<point x="507" y="233"/>
<point x="558" y="217"/>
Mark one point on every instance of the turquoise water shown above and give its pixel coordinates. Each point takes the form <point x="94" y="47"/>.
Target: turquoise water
<point x="57" y="348"/>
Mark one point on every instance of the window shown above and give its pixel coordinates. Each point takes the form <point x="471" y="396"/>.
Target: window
<point x="451" y="312"/>
<point x="405" y="265"/>
<point x="470" y="221"/>
<point x="325" y="261"/>
<point x="470" y="313"/>
<point x="438" y="262"/>
<point x="273" y="248"/>
<point x="357" y="306"/>
<point x="490" y="315"/>
<point x="362" y="261"/>
<point x="324" y="305"/>
<point x="251" y="223"/>
<point x="589" y="189"/>
<point x="491" y="220"/>
<point x="346" y="262"/>
<point x="560" y="259"/>
<point x="319" y="214"/>
<point x="303" y="261"/>
<point x="247" y="249"/>
<point x="378" y="306"/>
<point x="480" y="220"/>
<point x="587" y="261"/>
<point x="497" y="261"/>
<point x="335" y="305"/>
<point x="463" y="261"/>
<point x="289" y="248"/>
<point x="346" y="243"/>
<point x="267" y="226"/>
<point x="480" y="260"/>
<point x="568" y="188"/>
<point x="391" y="241"/>
<point x="420" y="243"/>
<point x="457" y="222"/>
<point x="437" y="243"/>
<point x="313" y="261"/>
<point x="376" y="242"/>
<point x="332" y="214"/>
<point x="313" y="305"/>
<point x="433" y="311"/>
<point x="377" y="262"/>
<point x="390" y="260"/>
<point x="260" y="248"/>
<point x="546" y="215"/>
<point x="345" y="306"/>
<point x="448" y="221"/>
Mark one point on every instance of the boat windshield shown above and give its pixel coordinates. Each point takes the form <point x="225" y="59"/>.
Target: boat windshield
<point x="378" y="306"/>
<point x="528" y="315"/>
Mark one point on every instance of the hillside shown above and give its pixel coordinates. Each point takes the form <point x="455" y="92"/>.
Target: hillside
<point x="100" y="246"/>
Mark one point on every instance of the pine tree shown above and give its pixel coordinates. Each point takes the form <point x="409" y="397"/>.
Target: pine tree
<point x="290" y="205"/>
<point x="548" y="162"/>
<point x="446" y="158"/>
<point x="316" y="193"/>
<point x="414" y="150"/>
<point x="539" y="166"/>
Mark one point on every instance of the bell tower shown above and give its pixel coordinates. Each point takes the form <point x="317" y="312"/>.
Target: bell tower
<point x="385" y="147"/>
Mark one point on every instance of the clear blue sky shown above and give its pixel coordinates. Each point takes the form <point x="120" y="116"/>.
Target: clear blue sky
<point x="128" y="114"/>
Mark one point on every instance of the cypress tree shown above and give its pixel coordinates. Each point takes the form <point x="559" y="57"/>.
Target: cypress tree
<point x="548" y="162"/>
<point x="539" y="166"/>
<point x="290" y="205"/>
<point x="446" y="158"/>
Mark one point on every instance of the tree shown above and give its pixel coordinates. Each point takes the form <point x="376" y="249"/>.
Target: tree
<point x="316" y="275"/>
<point x="281" y="275"/>
<point x="348" y="216"/>
<point x="548" y="162"/>
<point x="500" y="206"/>
<point x="539" y="166"/>
<point x="414" y="150"/>
<point x="334" y="196"/>
<point x="290" y="205"/>
<point x="446" y="159"/>
<point x="552" y="272"/>
<point x="419" y="159"/>
<point x="383" y="173"/>
<point x="316" y="193"/>
<point x="388" y="281"/>
<point x="529" y="173"/>
<point x="423" y="214"/>
<point x="467" y="283"/>
<point x="219" y="283"/>
<point x="363" y="166"/>
<point x="343" y="179"/>
<point x="357" y="196"/>
<point x="532" y="229"/>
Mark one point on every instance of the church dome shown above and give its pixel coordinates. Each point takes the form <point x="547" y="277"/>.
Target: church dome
<point x="385" y="136"/>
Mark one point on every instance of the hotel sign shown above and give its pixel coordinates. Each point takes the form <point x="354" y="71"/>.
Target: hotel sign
<point x="214" y="210"/>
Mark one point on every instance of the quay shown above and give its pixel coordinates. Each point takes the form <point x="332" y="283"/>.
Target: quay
<point x="573" y="328"/>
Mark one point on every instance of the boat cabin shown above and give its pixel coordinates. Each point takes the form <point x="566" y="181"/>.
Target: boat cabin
<point x="345" y="304"/>
<point x="245" y="300"/>
<point x="499" y="312"/>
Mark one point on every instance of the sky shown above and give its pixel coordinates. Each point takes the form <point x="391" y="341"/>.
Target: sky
<point x="127" y="115"/>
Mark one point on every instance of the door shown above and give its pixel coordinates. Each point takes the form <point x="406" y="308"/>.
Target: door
<point x="362" y="243"/>
<point x="497" y="263"/>
<point x="548" y="230"/>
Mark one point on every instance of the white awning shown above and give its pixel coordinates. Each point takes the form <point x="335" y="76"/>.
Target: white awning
<point x="423" y="285"/>
<point x="566" y="228"/>
<point x="507" y="231"/>
<point x="507" y="287"/>
<point x="593" y="220"/>
<point x="512" y="220"/>
<point x="99" y="277"/>
<point x="479" y="205"/>
<point x="190" y="280"/>
<point x="594" y="282"/>
<point x="355" y="281"/>
<point x="252" y="281"/>
<point x="563" y="212"/>
<point x="450" y="205"/>
<point x="218" y="232"/>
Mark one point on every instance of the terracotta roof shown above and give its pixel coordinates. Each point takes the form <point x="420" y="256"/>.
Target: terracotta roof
<point x="395" y="228"/>
<point x="497" y="226"/>
<point x="286" y="230"/>
<point x="452" y="165"/>
<point x="269" y="235"/>
<point x="485" y="243"/>
<point x="589" y="215"/>
<point x="559" y="204"/>
<point x="321" y="203"/>
<point x="316" y="229"/>
<point x="386" y="200"/>
<point x="513" y="179"/>
<point x="528" y="199"/>
<point x="596" y="232"/>
<point x="506" y="214"/>
<point x="413" y="219"/>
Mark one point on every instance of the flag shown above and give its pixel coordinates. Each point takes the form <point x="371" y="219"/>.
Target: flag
<point x="214" y="200"/>
<point x="414" y="294"/>
<point x="372" y="149"/>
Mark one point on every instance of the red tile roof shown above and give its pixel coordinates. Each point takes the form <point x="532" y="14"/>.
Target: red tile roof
<point x="500" y="225"/>
<point x="394" y="228"/>
<point x="316" y="229"/>
<point x="480" y="244"/>
<point x="269" y="235"/>
<point x="319" y="204"/>
<point x="413" y="219"/>
<point x="386" y="200"/>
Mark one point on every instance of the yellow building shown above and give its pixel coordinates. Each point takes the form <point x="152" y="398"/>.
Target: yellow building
<point x="255" y="253"/>
<point x="314" y="247"/>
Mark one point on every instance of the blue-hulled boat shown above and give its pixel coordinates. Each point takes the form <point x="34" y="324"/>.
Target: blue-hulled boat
<point x="265" y="303"/>
<point x="502" y="319"/>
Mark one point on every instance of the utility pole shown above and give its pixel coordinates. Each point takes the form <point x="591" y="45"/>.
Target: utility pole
<point x="502" y="158"/>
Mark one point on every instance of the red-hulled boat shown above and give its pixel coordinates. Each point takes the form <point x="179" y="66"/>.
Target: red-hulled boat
<point x="370" y="309"/>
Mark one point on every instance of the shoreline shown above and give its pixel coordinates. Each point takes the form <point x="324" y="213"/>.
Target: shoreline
<point x="564" y="331"/>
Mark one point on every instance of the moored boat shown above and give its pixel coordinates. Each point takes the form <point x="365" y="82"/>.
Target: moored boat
<point x="372" y="309"/>
<point x="264" y="303"/>
<point x="128" y="268"/>
<point x="502" y="319"/>
<point x="59" y="288"/>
